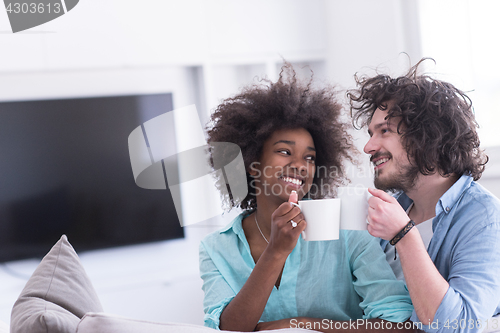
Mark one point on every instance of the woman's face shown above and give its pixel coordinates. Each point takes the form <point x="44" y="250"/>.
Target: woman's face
<point x="287" y="163"/>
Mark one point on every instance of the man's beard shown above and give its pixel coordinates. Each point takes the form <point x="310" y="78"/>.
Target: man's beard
<point x="403" y="180"/>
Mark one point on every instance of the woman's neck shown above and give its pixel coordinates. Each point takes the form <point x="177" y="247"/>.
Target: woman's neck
<point x="265" y="209"/>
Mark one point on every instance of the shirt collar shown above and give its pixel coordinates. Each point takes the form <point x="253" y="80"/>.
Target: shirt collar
<point x="447" y="200"/>
<point x="403" y="200"/>
<point x="450" y="197"/>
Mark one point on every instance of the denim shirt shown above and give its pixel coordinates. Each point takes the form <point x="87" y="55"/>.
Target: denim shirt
<point x="465" y="249"/>
<point x="342" y="279"/>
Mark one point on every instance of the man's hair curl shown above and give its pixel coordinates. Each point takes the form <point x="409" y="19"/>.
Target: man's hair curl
<point x="436" y="120"/>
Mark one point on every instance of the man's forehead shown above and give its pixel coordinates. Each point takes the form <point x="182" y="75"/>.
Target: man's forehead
<point x="379" y="115"/>
<point x="380" y="118"/>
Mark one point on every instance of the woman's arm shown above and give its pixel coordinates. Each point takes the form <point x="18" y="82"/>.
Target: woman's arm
<point x="330" y="326"/>
<point x="244" y="311"/>
<point x="382" y="295"/>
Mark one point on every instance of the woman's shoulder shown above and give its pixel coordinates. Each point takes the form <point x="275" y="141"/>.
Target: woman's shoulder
<point x="225" y="235"/>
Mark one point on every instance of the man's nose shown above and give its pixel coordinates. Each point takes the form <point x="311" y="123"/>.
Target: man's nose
<point x="371" y="146"/>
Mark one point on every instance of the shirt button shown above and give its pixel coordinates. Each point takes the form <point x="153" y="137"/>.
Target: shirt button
<point x="447" y="209"/>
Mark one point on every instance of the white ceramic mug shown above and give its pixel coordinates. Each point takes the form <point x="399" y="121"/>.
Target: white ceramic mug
<point x="322" y="217"/>
<point x="353" y="207"/>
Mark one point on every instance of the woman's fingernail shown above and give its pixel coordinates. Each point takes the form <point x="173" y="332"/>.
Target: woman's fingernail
<point x="296" y="205"/>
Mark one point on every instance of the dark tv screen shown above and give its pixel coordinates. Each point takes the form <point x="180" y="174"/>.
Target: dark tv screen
<point x="65" y="169"/>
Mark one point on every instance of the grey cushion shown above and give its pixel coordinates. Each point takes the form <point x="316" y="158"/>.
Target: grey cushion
<point x="56" y="296"/>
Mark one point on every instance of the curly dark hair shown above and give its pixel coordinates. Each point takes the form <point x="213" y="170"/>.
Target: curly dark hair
<point x="437" y="123"/>
<point x="251" y="117"/>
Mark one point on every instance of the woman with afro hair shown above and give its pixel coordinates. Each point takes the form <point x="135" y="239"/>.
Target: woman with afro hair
<point x="258" y="273"/>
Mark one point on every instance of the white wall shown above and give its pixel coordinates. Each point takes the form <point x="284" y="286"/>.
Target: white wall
<point x="365" y="36"/>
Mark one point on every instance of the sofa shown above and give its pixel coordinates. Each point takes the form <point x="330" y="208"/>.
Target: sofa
<point x="59" y="298"/>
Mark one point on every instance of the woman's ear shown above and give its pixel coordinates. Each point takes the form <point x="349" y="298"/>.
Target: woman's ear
<point x="254" y="170"/>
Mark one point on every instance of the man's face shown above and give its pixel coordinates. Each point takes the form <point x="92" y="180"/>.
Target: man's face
<point x="393" y="170"/>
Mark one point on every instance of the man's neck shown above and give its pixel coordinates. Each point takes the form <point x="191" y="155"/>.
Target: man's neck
<point x="426" y="193"/>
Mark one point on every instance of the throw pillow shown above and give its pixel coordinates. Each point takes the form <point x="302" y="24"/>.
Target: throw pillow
<point x="56" y="296"/>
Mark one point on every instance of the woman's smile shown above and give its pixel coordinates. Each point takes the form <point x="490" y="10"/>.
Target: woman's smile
<point x="294" y="182"/>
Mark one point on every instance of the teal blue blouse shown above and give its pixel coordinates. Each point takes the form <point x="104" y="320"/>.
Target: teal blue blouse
<point x="342" y="279"/>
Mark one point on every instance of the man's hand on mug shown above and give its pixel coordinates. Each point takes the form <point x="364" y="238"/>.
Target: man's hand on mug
<point x="386" y="217"/>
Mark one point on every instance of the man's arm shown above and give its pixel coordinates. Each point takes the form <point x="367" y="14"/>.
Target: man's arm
<point x="426" y="285"/>
<point x="471" y="292"/>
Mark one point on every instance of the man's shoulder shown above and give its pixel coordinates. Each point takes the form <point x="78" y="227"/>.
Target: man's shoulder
<point x="477" y="197"/>
<point x="478" y="190"/>
<point x="479" y="207"/>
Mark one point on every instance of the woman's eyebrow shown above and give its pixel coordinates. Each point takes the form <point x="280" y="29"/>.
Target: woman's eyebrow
<point x="292" y="143"/>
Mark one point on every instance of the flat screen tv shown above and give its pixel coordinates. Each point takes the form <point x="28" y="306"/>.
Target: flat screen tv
<point x="65" y="169"/>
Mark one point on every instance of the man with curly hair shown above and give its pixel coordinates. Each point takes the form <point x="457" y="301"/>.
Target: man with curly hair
<point x="424" y="146"/>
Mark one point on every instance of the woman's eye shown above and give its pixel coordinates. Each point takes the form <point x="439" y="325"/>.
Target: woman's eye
<point x="311" y="158"/>
<point x="284" y="151"/>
